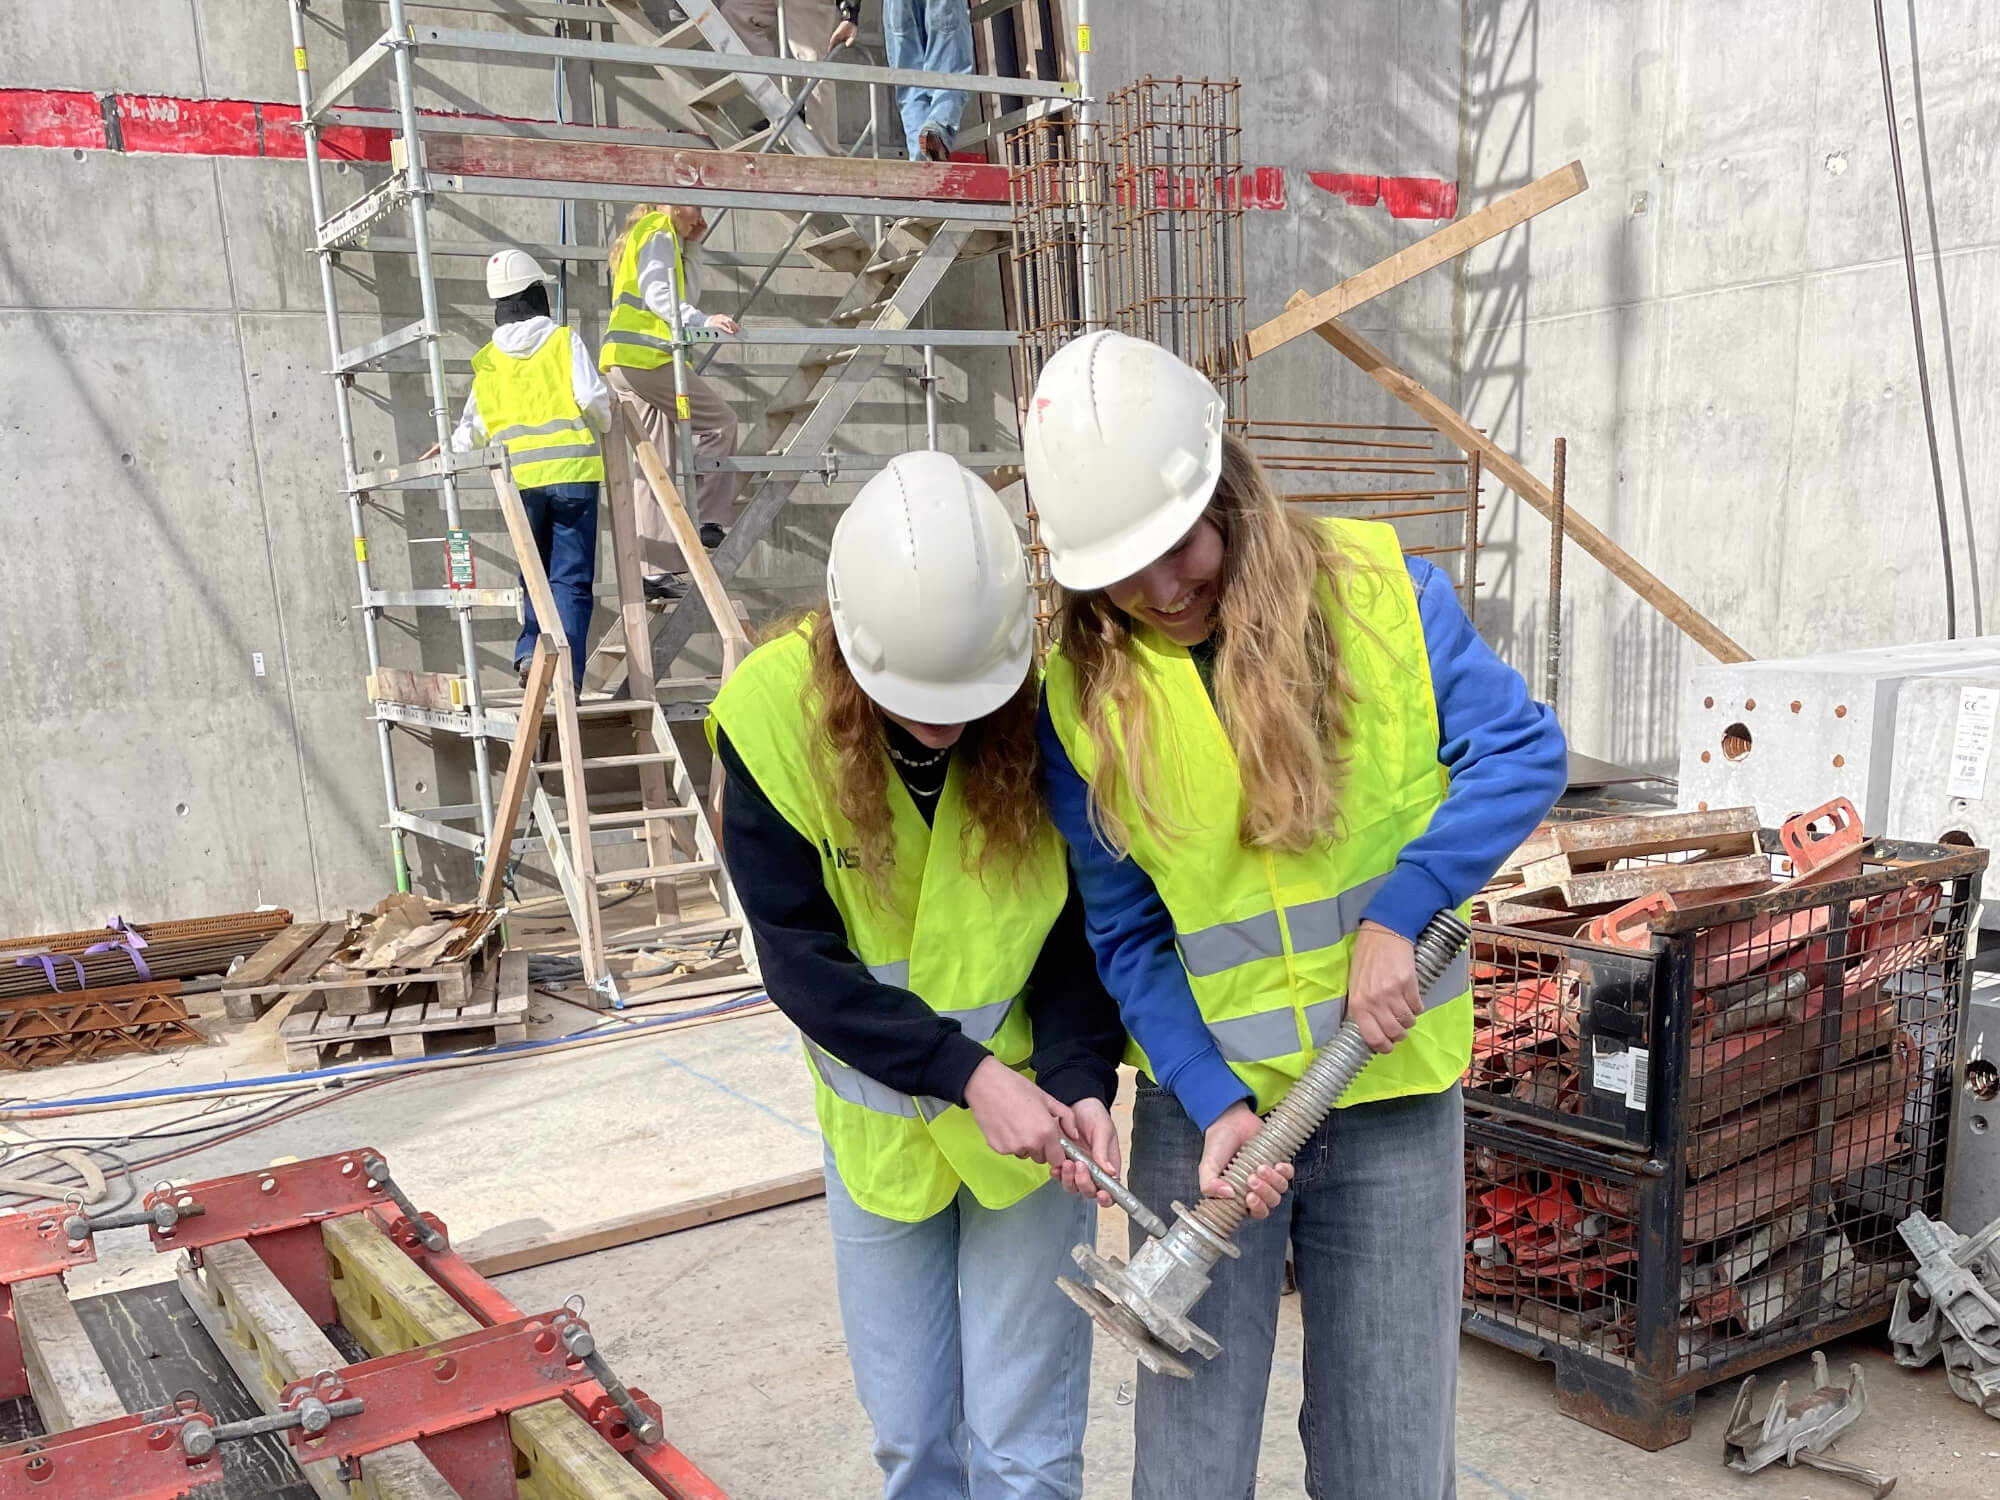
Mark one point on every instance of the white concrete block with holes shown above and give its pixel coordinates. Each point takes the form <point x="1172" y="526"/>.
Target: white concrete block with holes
<point x="1785" y="736"/>
<point x="1945" y="784"/>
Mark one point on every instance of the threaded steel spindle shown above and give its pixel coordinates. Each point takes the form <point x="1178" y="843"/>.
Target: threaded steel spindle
<point x="1340" y="1061"/>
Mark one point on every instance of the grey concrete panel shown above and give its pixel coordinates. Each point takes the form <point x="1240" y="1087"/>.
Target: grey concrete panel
<point x="159" y="772"/>
<point x="137" y="46"/>
<point x="111" y="231"/>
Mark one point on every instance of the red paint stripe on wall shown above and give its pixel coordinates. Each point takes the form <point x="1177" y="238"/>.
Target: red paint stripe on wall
<point x="1403" y="197"/>
<point x="188" y="127"/>
<point x="51" y="117"/>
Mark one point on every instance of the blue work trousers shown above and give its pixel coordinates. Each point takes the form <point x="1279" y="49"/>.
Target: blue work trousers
<point x="934" y="36"/>
<point x="563" y="518"/>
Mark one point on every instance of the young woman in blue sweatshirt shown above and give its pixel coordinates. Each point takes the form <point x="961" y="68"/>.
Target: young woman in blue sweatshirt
<point x="1375" y="762"/>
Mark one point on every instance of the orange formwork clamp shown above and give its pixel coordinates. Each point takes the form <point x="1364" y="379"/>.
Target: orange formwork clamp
<point x="1629" y="926"/>
<point x="1817" y="853"/>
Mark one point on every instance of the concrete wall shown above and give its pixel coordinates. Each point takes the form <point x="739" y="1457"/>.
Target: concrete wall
<point x="1721" y="328"/>
<point x="1718" y="326"/>
<point x="172" y="474"/>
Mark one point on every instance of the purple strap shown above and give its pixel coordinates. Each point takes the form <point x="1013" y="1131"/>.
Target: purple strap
<point x="48" y="963"/>
<point x="130" y="942"/>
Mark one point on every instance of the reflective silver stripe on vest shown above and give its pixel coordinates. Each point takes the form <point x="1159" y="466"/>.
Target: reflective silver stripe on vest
<point x="543" y="429"/>
<point x="629" y="299"/>
<point x="1314" y="924"/>
<point x="626" y="336"/>
<point x="1323" y="1019"/>
<point x="982" y="1023"/>
<point x="529" y="456"/>
<point x="856" y="1087"/>
<point x="1249" y="1039"/>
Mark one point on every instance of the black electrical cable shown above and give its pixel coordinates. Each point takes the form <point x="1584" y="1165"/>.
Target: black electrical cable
<point x="1917" y="322"/>
<point x="1971" y="531"/>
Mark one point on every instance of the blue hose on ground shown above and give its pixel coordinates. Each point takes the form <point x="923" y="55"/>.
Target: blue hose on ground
<point x="499" y="1052"/>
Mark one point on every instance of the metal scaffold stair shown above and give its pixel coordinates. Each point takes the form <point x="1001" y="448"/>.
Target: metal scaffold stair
<point x="867" y="240"/>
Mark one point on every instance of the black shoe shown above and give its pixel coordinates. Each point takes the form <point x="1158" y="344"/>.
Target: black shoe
<point x="712" y="535"/>
<point x="521" y="670"/>
<point x="665" y="587"/>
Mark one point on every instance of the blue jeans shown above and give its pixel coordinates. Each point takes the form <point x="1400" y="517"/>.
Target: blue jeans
<point x="973" y="1367"/>
<point x="563" y="518"/>
<point x="936" y="37"/>
<point x="1375" y="1219"/>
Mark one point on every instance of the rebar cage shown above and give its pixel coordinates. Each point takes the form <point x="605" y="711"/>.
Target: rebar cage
<point x="1686" y="1162"/>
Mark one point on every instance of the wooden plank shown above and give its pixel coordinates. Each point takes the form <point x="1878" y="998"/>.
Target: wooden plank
<point x="274" y="957"/>
<point x="68" y="1381"/>
<point x="301" y="970"/>
<point x="1510" y="472"/>
<point x="1496" y="218"/>
<point x="670" y="167"/>
<point x="389" y="1304"/>
<point x="520" y="770"/>
<point x="582" y="860"/>
<point x="555" y="1245"/>
<point x="270" y="1341"/>
<point x="715" y="598"/>
<point x="1619" y="837"/>
<point x="439" y="690"/>
<point x="1688" y="875"/>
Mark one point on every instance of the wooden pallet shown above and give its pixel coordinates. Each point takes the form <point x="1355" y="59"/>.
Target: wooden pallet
<point x="1608" y="861"/>
<point x="296" y="962"/>
<point x="415" y="1028"/>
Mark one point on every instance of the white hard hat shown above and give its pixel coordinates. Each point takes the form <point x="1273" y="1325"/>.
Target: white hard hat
<point x="510" y="271"/>
<point x="1123" y="444"/>
<point x="929" y="592"/>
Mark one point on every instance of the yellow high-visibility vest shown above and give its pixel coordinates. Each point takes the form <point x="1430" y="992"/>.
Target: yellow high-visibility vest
<point x="636" y="336"/>
<point x="963" y="942"/>
<point x="1266" y="938"/>
<point x="529" y="406"/>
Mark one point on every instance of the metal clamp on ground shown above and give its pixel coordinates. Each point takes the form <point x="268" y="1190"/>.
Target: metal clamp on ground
<point x="137" y="1457"/>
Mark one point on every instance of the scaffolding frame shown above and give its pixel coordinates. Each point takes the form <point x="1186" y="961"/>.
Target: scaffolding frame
<point x="411" y="189"/>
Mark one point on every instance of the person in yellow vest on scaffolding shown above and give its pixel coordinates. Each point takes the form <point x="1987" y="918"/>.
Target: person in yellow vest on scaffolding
<point x="655" y="284"/>
<point x="883" y="826"/>
<point x="1277" y="749"/>
<point x="536" y="391"/>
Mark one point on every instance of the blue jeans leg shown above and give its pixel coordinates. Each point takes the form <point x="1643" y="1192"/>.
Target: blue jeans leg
<point x="563" y="518"/>
<point x="903" y="37"/>
<point x="1197" y="1439"/>
<point x="1375" y="1219"/>
<point x="947" y="49"/>
<point x="1014" y="1431"/>
<point x="1025" y="1345"/>
<point x="1378" y="1240"/>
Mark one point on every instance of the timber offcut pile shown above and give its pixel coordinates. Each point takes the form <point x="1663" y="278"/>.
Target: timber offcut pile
<point x="415" y="973"/>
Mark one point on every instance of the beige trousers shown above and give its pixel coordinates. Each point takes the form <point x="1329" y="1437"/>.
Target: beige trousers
<point x="713" y="423"/>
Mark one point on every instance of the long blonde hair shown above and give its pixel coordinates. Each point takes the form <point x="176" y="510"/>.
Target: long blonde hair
<point x="1281" y="688"/>
<point x="633" y="215"/>
<point x="1000" y="765"/>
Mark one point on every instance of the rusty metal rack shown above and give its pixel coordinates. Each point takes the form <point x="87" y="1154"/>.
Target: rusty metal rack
<point x="1411" y="476"/>
<point x="457" y="1392"/>
<point x="1693" y="1127"/>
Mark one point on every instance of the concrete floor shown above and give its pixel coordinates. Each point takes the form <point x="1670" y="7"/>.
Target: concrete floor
<point x="734" y="1328"/>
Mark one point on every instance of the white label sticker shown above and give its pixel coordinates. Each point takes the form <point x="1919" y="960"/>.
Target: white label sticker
<point x="1611" y="1072"/>
<point x="1635" y="1086"/>
<point x="257" y="662"/>
<point x="1972" y="742"/>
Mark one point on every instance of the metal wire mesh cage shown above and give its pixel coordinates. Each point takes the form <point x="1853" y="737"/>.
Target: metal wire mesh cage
<point x="1691" y="1138"/>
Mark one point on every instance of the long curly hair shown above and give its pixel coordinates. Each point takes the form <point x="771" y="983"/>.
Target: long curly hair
<point x="1282" y="690"/>
<point x="1000" y="765"/>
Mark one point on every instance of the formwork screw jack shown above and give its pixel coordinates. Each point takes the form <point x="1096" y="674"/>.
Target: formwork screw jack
<point x="1145" y="1305"/>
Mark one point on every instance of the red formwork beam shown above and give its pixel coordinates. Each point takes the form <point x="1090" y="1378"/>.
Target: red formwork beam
<point x="137" y="1457"/>
<point x="32" y="1245"/>
<point x="668" y="168"/>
